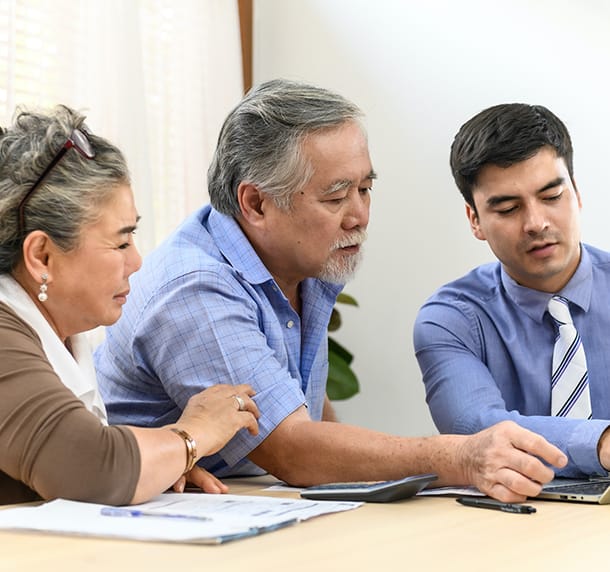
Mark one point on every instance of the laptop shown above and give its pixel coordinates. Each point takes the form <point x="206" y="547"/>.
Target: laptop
<point x="592" y="490"/>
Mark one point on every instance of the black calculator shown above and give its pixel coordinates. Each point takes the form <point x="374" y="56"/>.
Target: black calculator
<point x="377" y="491"/>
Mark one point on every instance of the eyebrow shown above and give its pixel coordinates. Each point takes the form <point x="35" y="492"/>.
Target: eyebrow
<point x="346" y="183"/>
<point x="130" y="228"/>
<point x="494" y="201"/>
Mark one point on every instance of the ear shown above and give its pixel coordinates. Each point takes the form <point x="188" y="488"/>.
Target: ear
<point x="251" y="203"/>
<point x="578" y="197"/>
<point x="37" y="250"/>
<point x="473" y="219"/>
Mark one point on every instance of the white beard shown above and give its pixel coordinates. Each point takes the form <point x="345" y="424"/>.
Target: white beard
<point x="340" y="270"/>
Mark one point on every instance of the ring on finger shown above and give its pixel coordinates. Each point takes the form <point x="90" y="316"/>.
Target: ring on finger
<point x="241" y="405"/>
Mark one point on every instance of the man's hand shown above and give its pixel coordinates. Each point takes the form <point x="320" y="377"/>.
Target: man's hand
<point x="504" y="461"/>
<point x="603" y="449"/>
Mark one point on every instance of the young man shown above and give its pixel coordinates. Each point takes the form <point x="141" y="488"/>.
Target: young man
<point x="242" y="293"/>
<point x="486" y="342"/>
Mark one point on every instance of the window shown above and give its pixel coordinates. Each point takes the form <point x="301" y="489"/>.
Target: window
<point x="155" y="77"/>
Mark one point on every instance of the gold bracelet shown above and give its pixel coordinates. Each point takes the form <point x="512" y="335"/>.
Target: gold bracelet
<point x="191" y="448"/>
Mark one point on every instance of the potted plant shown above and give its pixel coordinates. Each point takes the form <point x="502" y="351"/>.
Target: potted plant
<point x="342" y="382"/>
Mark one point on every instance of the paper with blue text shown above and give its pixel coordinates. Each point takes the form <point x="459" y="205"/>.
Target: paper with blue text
<point x="189" y="517"/>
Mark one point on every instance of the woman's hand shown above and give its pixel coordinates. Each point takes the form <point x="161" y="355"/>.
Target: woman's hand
<point x="207" y="482"/>
<point x="213" y="416"/>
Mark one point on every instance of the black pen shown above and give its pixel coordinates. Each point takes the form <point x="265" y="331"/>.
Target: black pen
<point x="496" y="505"/>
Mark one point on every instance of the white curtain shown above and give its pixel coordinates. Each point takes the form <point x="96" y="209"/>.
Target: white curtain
<point x="156" y="77"/>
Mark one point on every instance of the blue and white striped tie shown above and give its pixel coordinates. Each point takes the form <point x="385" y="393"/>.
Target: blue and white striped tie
<point x="570" y="380"/>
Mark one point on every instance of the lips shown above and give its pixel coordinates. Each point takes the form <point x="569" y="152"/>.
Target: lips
<point x="542" y="249"/>
<point x="121" y="297"/>
<point x="352" y="242"/>
<point x="539" y="246"/>
<point x="351" y="249"/>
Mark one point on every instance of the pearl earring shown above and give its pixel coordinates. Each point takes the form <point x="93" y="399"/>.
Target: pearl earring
<point x="42" y="295"/>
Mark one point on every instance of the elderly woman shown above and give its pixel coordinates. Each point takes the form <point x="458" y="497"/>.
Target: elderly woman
<point x="67" y="217"/>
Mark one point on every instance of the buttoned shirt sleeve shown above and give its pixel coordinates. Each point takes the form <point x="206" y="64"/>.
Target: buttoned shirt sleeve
<point x="203" y="329"/>
<point x="454" y="347"/>
<point x="204" y="310"/>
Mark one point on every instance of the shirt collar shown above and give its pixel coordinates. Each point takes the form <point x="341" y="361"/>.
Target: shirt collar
<point x="236" y="248"/>
<point x="534" y="302"/>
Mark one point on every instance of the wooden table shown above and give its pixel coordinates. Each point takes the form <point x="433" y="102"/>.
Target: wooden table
<point x="423" y="533"/>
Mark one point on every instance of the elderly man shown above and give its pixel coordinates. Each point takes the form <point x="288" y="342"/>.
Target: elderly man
<point x="242" y="293"/>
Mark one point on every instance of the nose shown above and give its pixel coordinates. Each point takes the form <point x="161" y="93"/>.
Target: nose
<point x="357" y="214"/>
<point x="535" y="219"/>
<point x="134" y="261"/>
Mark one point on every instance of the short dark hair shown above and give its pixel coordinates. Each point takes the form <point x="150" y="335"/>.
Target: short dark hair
<point x="503" y="135"/>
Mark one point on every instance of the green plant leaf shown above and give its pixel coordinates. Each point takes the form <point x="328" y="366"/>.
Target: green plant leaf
<point x="342" y="382"/>
<point x="344" y="298"/>
<point x="334" y="347"/>
<point x="335" y="320"/>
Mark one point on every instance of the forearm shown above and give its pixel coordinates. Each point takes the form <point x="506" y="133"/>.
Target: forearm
<point x="210" y="419"/>
<point x="317" y="452"/>
<point x="162" y="461"/>
<point x="328" y="411"/>
<point x="466" y="400"/>
<point x="504" y="461"/>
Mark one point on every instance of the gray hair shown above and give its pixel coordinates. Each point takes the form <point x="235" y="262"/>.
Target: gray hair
<point x="70" y="195"/>
<point x="261" y="141"/>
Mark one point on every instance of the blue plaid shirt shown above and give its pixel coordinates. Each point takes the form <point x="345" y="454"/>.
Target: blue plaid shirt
<point x="204" y="310"/>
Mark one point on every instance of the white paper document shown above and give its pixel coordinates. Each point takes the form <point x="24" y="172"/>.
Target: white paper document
<point x="451" y="491"/>
<point x="189" y="517"/>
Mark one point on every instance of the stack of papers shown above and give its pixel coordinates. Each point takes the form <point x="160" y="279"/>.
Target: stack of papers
<point x="189" y="517"/>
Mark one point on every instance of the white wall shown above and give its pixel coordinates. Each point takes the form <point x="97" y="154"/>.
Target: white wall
<point x="419" y="69"/>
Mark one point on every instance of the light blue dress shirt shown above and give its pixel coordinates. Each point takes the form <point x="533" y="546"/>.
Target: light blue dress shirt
<point x="485" y="344"/>
<point x="204" y="310"/>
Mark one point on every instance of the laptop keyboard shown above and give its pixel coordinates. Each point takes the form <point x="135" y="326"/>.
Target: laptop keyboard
<point x="592" y="488"/>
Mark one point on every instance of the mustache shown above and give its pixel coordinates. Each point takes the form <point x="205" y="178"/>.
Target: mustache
<point x="355" y="238"/>
<point x="538" y="240"/>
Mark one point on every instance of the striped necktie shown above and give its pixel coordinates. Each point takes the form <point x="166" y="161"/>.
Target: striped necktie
<point x="570" y="380"/>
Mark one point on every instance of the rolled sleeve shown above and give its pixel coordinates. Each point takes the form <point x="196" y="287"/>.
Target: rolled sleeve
<point x="204" y="310"/>
<point x="201" y="330"/>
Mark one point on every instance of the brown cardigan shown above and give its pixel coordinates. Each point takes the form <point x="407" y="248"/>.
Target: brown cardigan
<point x="51" y="446"/>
